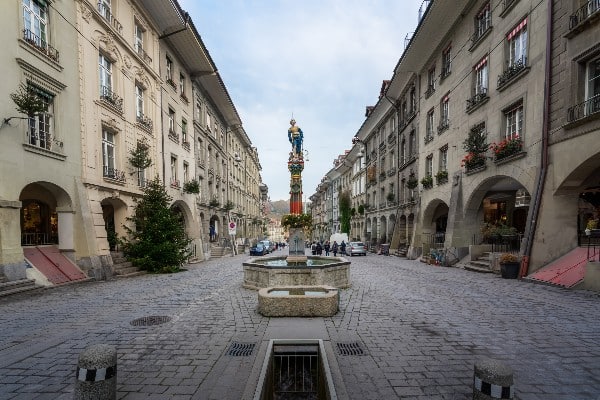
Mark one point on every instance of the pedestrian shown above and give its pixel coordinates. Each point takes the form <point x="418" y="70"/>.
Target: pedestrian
<point x="343" y="248"/>
<point x="334" y="248"/>
<point x="313" y="249"/>
<point x="319" y="248"/>
<point x="327" y="247"/>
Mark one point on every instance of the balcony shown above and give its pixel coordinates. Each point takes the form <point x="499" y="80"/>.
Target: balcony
<point x="144" y="122"/>
<point x="175" y="184"/>
<point x="430" y="90"/>
<point x="428" y="137"/>
<point x="40" y="45"/>
<point x="174" y="136"/>
<point x="588" y="108"/>
<point x="444" y="125"/>
<point x="113" y="174"/>
<point x="104" y="10"/>
<point x="481" y="31"/>
<point x="584" y="14"/>
<point x="477" y="100"/>
<point x="184" y="98"/>
<point x="142" y="53"/>
<point x="171" y="82"/>
<point x="186" y="145"/>
<point x="110" y="97"/>
<point x="512" y="71"/>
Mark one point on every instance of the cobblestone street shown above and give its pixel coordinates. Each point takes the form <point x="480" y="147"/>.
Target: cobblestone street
<point x="421" y="327"/>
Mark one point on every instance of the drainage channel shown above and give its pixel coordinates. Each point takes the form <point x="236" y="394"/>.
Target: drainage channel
<point x="295" y="369"/>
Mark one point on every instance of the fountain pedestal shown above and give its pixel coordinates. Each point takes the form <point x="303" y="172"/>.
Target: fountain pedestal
<point x="296" y="246"/>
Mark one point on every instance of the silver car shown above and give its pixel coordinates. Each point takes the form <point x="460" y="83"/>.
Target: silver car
<point x="356" y="248"/>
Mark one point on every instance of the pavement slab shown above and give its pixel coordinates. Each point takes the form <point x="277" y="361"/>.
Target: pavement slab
<point x="420" y="328"/>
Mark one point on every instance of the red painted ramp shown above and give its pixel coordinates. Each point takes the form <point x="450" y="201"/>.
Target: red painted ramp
<point x="566" y="271"/>
<point x="54" y="265"/>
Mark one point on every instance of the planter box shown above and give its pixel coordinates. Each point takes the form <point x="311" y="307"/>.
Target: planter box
<point x="510" y="270"/>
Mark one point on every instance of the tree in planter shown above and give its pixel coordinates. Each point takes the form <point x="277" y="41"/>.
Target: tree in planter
<point x="441" y="176"/>
<point x="344" y="207"/>
<point x="140" y="156"/>
<point x="361" y="209"/>
<point x="191" y="187"/>
<point x="476" y="146"/>
<point x="412" y="181"/>
<point x="28" y="101"/>
<point x="159" y="243"/>
<point x="214" y="202"/>
<point x="427" y="181"/>
<point x="229" y="205"/>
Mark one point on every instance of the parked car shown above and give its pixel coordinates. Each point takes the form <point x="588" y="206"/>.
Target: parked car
<point x="356" y="248"/>
<point x="268" y="246"/>
<point x="258" y="250"/>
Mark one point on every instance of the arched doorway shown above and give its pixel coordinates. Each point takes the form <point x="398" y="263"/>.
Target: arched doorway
<point x="114" y="212"/>
<point x="41" y="222"/>
<point x="214" y="228"/>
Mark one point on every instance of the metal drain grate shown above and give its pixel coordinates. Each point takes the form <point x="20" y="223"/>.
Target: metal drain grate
<point x="150" y="320"/>
<point x="350" y="349"/>
<point x="240" y="349"/>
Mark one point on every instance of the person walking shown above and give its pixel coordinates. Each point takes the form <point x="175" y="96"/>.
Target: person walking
<point x="327" y="248"/>
<point x="319" y="248"/>
<point x="343" y="248"/>
<point x="334" y="248"/>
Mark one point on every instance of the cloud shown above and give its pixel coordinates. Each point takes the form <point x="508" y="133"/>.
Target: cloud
<point x="323" y="61"/>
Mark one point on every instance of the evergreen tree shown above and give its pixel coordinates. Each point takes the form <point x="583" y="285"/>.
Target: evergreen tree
<point x="158" y="243"/>
<point x="345" y="210"/>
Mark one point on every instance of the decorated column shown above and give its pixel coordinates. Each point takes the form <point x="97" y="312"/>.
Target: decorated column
<point x="295" y="166"/>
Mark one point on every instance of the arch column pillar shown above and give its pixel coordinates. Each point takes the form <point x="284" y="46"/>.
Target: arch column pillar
<point x="66" y="217"/>
<point x="12" y="261"/>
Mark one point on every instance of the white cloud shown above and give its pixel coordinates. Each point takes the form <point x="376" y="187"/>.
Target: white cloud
<point x="323" y="61"/>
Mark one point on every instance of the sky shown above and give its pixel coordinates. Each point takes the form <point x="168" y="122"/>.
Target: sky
<point x="321" y="62"/>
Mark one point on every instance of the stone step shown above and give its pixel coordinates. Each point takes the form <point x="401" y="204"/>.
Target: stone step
<point x="18" y="286"/>
<point x="126" y="270"/>
<point x="123" y="264"/>
<point x="137" y="272"/>
<point x="478" y="267"/>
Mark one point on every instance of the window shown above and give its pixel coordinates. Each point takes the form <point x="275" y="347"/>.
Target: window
<point x="412" y="144"/>
<point x="171" y="121"/>
<point x="170" y="72"/>
<point x="108" y="154"/>
<point x="483" y="22"/>
<point x="446" y="62"/>
<point x="444" y="114"/>
<point x="429" y="165"/>
<point x="104" y="9"/>
<point x="174" y="181"/>
<point x="208" y="122"/>
<point x="39" y="127"/>
<point x="35" y="23"/>
<point x="141" y="177"/>
<point x="443" y="162"/>
<point x="481" y="77"/>
<point x="139" y="102"/>
<point x="517" y="45"/>
<point x="182" y="84"/>
<point x="403" y="151"/>
<point x="430" y="82"/>
<point x="105" y="66"/>
<point x="413" y="100"/>
<point x="513" y="118"/>
<point x="592" y="88"/>
<point x="138" y="39"/>
<point x="429" y="126"/>
<point x="186" y="172"/>
<point x="184" y="135"/>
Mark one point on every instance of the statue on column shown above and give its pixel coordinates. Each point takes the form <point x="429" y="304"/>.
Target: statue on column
<point x="295" y="137"/>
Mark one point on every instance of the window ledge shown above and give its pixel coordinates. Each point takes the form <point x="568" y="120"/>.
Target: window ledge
<point x="39" y="54"/>
<point x="480" y="39"/>
<point x="475" y="170"/>
<point x="510" y="158"/>
<point x="513" y="79"/>
<point x="480" y="103"/>
<point x="581" y="121"/>
<point x="507" y="8"/>
<point x="44" y="152"/>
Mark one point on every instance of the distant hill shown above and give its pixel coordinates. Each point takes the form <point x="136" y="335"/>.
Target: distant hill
<point x="279" y="208"/>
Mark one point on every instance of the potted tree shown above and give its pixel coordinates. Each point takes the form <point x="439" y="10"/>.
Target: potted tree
<point x="509" y="265"/>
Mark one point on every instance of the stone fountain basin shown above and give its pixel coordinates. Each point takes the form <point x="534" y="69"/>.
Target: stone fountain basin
<point x="263" y="272"/>
<point x="298" y="301"/>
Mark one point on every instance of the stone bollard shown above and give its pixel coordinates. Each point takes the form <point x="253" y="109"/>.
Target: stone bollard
<point x="96" y="377"/>
<point x="493" y="380"/>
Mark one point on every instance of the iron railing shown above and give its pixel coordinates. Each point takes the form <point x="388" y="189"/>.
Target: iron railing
<point x="111" y="97"/>
<point x="114" y="174"/>
<point x="40" y="45"/>
<point x="589" y="107"/>
<point x="583" y="13"/>
<point x="500" y="244"/>
<point x="36" y="239"/>
<point x="142" y="53"/>
<point x="512" y="70"/>
<point x="144" y="121"/>
<point x="477" y="98"/>
<point x="105" y="11"/>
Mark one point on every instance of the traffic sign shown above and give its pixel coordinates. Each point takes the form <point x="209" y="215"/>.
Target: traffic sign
<point x="232" y="227"/>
